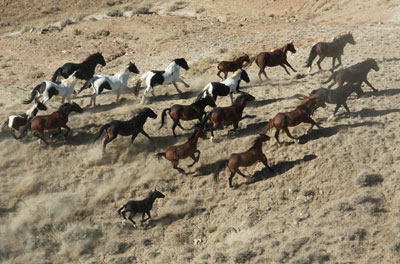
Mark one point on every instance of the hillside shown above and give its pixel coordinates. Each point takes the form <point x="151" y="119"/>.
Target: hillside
<point x="332" y="197"/>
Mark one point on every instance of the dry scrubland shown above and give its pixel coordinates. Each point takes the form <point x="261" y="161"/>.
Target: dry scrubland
<point x="333" y="198"/>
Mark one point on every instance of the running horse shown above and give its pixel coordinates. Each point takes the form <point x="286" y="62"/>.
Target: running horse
<point x="232" y="66"/>
<point x="274" y="58"/>
<point x="301" y="114"/>
<point x="332" y="49"/>
<point x="244" y="159"/>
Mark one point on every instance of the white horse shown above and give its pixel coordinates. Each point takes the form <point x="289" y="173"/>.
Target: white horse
<point x="228" y="86"/>
<point x="116" y="82"/>
<point x="48" y="89"/>
<point x="170" y="75"/>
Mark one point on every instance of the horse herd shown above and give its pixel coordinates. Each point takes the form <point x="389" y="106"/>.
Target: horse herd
<point x="349" y="80"/>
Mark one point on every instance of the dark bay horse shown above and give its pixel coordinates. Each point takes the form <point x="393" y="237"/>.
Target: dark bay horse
<point x="232" y="66"/>
<point x="339" y="95"/>
<point x="354" y="74"/>
<point x="187" y="112"/>
<point x="56" y="120"/>
<point x="133" y="127"/>
<point x="185" y="150"/>
<point x="244" y="159"/>
<point x="85" y="70"/>
<point x="143" y="206"/>
<point x="332" y="49"/>
<point x="231" y="114"/>
<point x="301" y="114"/>
<point x="274" y="58"/>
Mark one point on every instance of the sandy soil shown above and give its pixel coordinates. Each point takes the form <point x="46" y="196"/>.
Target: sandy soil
<point x="332" y="198"/>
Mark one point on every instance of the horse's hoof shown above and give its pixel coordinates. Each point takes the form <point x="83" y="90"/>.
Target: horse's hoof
<point x="211" y="139"/>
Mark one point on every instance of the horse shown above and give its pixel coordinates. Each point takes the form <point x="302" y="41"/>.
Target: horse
<point x="48" y="89"/>
<point x="169" y="75"/>
<point x="133" y="127"/>
<point x="232" y="66"/>
<point x="244" y="159"/>
<point x="338" y="96"/>
<point x="185" y="150"/>
<point x="56" y="120"/>
<point x="18" y="121"/>
<point x="332" y="49"/>
<point x="116" y="82"/>
<point x="274" y="58"/>
<point x="301" y="114"/>
<point x="354" y="74"/>
<point x="187" y="112"/>
<point x="231" y="114"/>
<point x="86" y="68"/>
<point x="143" y="206"/>
<point x="228" y="86"/>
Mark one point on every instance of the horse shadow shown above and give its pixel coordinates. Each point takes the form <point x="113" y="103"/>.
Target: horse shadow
<point x="82" y="137"/>
<point x="207" y="169"/>
<point x="169" y="97"/>
<point x="107" y="107"/>
<point x="369" y="112"/>
<point x="264" y="102"/>
<point x="6" y="134"/>
<point x="250" y="129"/>
<point x="330" y="131"/>
<point x="387" y="92"/>
<point x="170" y="218"/>
<point x="278" y="169"/>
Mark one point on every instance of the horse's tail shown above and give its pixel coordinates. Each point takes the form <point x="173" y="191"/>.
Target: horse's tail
<point x="86" y="85"/>
<point x="163" y="114"/>
<point x="120" y="209"/>
<point x="33" y="94"/>
<point x="220" y="165"/>
<point x="313" y="54"/>
<point x="55" y="75"/>
<point x="268" y="126"/>
<point x="101" y="132"/>
<point x="252" y="59"/>
<point x="159" y="155"/>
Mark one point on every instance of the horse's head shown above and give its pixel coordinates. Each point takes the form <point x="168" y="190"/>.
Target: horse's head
<point x="264" y="137"/>
<point x="148" y="112"/>
<point x="209" y="101"/>
<point x="349" y="38"/>
<point x="132" y="68"/>
<point x="372" y="64"/>
<point x="290" y="47"/>
<point x="156" y="194"/>
<point x="182" y="63"/>
<point x="244" y="76"/>
<point x="100" y="59"/>
<point x="199" y="132"/>
<point x="243" y="98"/>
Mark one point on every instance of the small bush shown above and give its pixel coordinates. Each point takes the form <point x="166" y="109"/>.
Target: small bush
<point x="115" y="13"/>
<point x="396" y="246"/>
<point x="201" y="66"/>
<point x="354" y="233"/>
<point x="244" y="256"/>
<point x="364" y="179"/>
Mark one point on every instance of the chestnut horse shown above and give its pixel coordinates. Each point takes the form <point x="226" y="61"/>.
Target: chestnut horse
<point x="231" y="114"/>
<point x="301" y="114"/>
<point x="187" y="112"/>
<point x="274" y="58"/>
<point x="56" y="120"/>
<point x="133" y="127"/>
<point x="332" y="49"/>
<point x="244" y="159"/>
<point x="185" y="150"/>
<point x="232" y="66"/>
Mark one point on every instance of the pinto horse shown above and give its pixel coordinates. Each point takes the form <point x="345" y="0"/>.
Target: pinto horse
<point x="301" y="114"/>
<point x="244" y="159"/>
<point x="116" y="82"/>
<point x="56" y="120"/>
<point x="232" y="66"/>
<point x="86" y="68"/>
<point x="169" y="75"/>
<point x="231" y="114"/>
<point x="49" y="89"/>
<point x="228" y="86"/>
<point x="18" y="121"/>
<point x="332" y="49"/>
<point x="274" y="58"/>
<point x="133" y="127"/>
<point x="185" y="150"/>
<point x="186" y="112"/>
<point x="143" y="206"/>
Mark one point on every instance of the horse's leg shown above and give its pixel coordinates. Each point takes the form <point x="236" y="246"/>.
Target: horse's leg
<point x="336" y="109"/>
<point x="144" y="94"/>
<point x="174" y="125"/>
<point x="230" y="179"/>
<point x="67" y="128"/>
<point x="218" y="74"/>
<point x="333" y="63"/>
<point x="259" y="75"/>
<point x="339" y="60"/>
<point x="130" y="217"/>
<point x="265" y="74"/>
<point x="123" y="214"/>
<point x="134" y="135"/>
<point x="346" y="107"/>
<point x="265" y="162"/>
<point x="309" y="120"/>
<point x="321" y="58"/>
<point x="145" y="134"/>
<point x="182" y="81"/>
<point x="231" y="96"/>
<point x="108" y="140"/>
<point x="148" y="217"/>
<point x="176" y="87"/>
<point x="290" y="66"/>
<point x="63" y="99"/>
<point x="194" y="158"/>
<point x="241" y="174"/>
<point x="40" y="135"/>
<point x="175" y="166"/>
<point x="286" y="129"/>
<point x="285" y="69"/>
<point x="370" y="85"/>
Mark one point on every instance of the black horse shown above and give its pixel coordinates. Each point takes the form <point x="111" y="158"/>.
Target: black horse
<point x="85" y="70"/>
<point x="133" y="127"/>
<point x="143" y="206"/>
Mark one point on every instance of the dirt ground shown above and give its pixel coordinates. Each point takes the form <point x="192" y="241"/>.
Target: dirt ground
<point x="332" y="198"/>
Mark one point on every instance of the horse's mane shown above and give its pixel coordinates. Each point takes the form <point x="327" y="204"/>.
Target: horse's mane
<point x="92" y="56"/>
<point x="242" y="94"/>
<point x="61" y="108"/>
<point x="235" y="74"/>
<point x="340" y="37"/>
<point x="255" y="142"/>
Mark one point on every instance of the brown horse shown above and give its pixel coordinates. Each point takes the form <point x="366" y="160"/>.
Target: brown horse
<point x="56" y="120"/>
<point x="332" y="49"/>
<point x="301" y="114"/>
<point x="232" y="66"/>
<point x="185" y="150"/>
<point x="187" y="112"/>
<point x="231" y="114"/>
<point x="274" y="58"/>
<point x="244" y="159"/>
